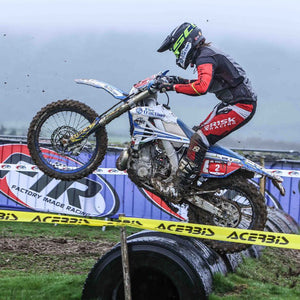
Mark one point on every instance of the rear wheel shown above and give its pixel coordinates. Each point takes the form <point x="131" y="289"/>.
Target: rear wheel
<point x="242" y="205"/>
<point x="57" y="122"/>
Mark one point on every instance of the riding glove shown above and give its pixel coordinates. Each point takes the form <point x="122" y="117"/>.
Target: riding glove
<point x="165" y="87"/>
<point x="178" y="80"/>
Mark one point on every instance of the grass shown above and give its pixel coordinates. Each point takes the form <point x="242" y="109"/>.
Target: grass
<point x="275" y="276"/>
<point x="42" y="286"/>
<point x="43" y="261"/>
<point x="13" y="229"/>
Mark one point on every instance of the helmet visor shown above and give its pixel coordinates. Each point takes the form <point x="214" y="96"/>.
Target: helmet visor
<point x="168" y="42"/>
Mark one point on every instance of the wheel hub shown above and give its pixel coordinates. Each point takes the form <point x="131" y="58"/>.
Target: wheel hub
<point x="231" y="213"/>
<point x="60" y="138"/>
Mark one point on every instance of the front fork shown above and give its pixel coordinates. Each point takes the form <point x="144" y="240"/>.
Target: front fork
<point x="84" y="133"/>
<point x="104" y="119"/>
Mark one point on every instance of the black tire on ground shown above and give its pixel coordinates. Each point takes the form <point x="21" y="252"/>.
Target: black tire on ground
<point x="243" y="187"/>
<point x="167" y="267"/>
<point x="280" y="221"/>
<point x="162" y="266"/>
<point x="42" y="116"/>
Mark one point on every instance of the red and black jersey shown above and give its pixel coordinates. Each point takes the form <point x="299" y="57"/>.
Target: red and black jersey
<point x="219" y="74"/>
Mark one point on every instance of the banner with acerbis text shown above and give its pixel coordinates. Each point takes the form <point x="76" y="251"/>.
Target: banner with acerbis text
<point x="235" y="235"/>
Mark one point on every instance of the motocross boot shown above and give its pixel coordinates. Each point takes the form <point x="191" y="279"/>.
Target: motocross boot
<point x="175" y="187"/>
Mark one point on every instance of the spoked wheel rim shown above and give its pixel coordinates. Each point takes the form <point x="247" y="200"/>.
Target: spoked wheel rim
<point x="236" y="208"/>
<point x="233" y="195"/>
<point x="48" y="136"/>
<point x="56" y="129"/>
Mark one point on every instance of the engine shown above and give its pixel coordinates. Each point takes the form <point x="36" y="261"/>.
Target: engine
<point x="147" y="162"/>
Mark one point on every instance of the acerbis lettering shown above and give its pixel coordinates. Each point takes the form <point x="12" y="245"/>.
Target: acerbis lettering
<point x="259" y="237"/>
<point x="129" y="222"/>
<point x="187" y="228"/>
<point x="8" y="217"/>
<point x="57" y="219"/>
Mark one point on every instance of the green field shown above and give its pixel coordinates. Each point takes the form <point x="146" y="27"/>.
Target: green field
<point x="44" y="261"/>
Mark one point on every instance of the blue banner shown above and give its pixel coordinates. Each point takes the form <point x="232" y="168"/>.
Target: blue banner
<point x="105" y="194"/>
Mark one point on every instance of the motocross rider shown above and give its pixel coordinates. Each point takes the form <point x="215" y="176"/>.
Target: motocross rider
<point x="218" y="74"/>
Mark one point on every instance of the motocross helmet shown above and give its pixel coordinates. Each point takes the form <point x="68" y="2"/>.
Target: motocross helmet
<point x="183" y="41"/>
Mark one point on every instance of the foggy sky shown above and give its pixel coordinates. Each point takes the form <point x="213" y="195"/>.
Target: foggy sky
<point x="45" y="45"/>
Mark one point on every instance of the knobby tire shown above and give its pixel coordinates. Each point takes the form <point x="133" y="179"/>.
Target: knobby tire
<point x="243" y="186"/>
<point x="42" y="116"/>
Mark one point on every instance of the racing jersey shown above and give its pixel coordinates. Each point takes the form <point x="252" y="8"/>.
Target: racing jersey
<point x="218" y="73"/>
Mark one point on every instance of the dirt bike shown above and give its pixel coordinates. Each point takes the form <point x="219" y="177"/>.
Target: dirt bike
<point x="68" y="140"/>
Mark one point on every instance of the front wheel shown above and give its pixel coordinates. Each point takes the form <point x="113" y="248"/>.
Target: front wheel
<point x="242" y="206"/>
<point x="59" y="121"/>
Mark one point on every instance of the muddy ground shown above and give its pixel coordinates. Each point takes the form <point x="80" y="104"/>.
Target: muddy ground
<point x="53" y="246"/>
<point x="50" y="254"/>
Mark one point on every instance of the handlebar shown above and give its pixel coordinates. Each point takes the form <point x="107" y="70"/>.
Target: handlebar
<point x="161" y="78"/>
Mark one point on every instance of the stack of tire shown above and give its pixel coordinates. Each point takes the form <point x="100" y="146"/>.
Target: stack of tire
<point x="170" y="267"/>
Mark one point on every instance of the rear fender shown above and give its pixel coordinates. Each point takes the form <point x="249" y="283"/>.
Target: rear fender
<point x="216" y="165"/>
<point x="261" y="171"/>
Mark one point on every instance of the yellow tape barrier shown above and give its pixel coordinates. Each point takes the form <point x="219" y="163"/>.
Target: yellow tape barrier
<point x="263" y="238"/>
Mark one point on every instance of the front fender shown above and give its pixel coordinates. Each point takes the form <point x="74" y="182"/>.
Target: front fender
<point x="115" y="92"/>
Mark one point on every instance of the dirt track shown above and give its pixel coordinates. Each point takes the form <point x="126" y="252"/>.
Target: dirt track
<point x="45" y="254"/>
<point x="52" y="246"/>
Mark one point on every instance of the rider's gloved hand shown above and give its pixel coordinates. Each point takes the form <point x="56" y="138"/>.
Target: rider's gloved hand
<point x="177" y="80"/>
<point x="165" y="87"/>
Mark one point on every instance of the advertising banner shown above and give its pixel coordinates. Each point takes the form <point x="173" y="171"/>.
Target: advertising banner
<point x="108" y="192"/>
<point x="24" y="187"/>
